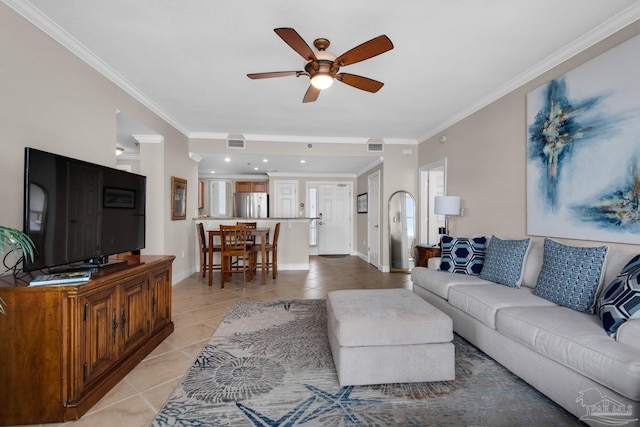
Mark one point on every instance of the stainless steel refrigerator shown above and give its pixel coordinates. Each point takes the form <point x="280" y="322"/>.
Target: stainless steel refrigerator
<point x="250" y="205"/>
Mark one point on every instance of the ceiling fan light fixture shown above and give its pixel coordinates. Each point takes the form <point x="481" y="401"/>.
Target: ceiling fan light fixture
<point x="322" y="81"/>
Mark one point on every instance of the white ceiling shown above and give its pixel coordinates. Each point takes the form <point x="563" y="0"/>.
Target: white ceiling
<point x="188" y="60"/>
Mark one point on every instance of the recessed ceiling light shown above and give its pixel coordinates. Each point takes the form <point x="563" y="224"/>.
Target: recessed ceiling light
<point x="265" y="160"/>
<point x="213" y="172"/>
<point x="255" y="169"/>
<point x="227" y="159"/>
<point x="303" y="161"/>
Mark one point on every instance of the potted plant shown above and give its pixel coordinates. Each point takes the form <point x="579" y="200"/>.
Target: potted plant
<point x="15" y="240"/>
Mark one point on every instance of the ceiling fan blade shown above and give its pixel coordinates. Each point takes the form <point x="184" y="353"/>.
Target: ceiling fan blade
<point x="359" y="82"/>
<point x="297" y="43"/>
<point x="274" y="74"/>
<point x="366" y="50"/>
<point x="312" y="94"/>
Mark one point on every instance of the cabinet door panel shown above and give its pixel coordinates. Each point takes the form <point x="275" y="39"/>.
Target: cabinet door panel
<point x="260" y="187"/>
<point x="100" y="333"/>
<point x="160" y="299"/>
<point x="243" y="187"/>
<point x="133" y="314"/>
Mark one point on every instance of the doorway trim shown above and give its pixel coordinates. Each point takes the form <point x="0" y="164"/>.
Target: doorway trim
<point x="373" y="215"/>
<point x="425" y="196"/>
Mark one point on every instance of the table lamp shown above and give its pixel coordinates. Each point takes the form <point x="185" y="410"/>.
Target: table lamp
<point x="447" y="205"/>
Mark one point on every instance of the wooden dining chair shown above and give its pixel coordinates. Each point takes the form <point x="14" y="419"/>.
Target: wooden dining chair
<point x="251" y="240"/>
<point x="236" y="253"/>
<point x="204" y="252"/>
<point x="272" y="252"/>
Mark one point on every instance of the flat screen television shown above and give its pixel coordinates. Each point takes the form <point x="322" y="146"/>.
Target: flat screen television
<point x="79" y="213"/>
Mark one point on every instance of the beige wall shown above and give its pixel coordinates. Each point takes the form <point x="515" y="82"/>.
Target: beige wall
<point x="51" y="100"/>
<point x="486" y="157"/>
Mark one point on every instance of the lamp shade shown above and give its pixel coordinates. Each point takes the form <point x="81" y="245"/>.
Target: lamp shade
<point x="447" y="205"/>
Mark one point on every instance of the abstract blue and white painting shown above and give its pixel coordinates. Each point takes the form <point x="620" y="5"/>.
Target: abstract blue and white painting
<point x="583" y="150"/>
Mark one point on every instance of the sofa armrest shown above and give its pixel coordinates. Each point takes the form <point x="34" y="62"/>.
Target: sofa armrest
<point x="433" y="263"/>
<point x="629" y="332"/>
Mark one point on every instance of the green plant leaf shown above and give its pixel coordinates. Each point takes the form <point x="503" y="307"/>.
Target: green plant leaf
<point x="16" y="239"/>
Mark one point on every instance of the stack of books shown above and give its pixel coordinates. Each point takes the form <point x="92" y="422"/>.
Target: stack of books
<point x="61" y="278"/>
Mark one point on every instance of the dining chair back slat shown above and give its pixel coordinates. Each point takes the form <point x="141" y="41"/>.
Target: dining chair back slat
<point x="236" y="253"/>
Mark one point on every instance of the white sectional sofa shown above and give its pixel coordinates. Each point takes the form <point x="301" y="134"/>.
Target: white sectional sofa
<point x="565" y="354"/>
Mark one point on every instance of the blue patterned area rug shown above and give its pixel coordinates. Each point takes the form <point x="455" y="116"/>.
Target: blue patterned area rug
<point x="269" y="364"/>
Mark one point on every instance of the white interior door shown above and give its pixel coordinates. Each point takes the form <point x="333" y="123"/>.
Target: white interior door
<point x="286" y="199"/>
<point x="334" y="226"/>
<point x="373" y="218"/>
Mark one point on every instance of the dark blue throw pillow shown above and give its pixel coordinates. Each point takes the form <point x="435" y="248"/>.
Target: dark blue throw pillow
<point x="463" y="255"/>
<point x="621" y="299"/>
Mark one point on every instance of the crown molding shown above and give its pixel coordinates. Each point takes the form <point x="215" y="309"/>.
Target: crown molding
<point x="312" y="175"/>
<point x="305" y="139"/>
<point x="57" y="33"/>
<point x="599" y="33"/>
<point x="222" y="176"/>
<point x="148" y="139"/>
<point x="208" y="135"/>
<point x="400" y="141"/>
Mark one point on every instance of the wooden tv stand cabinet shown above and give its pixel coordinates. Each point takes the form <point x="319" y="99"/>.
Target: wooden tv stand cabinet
<point x="63" y="347"/>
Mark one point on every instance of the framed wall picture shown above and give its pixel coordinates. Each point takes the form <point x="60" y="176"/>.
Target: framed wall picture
<point x="178" y="198"/>
<point x="363" y="203"/>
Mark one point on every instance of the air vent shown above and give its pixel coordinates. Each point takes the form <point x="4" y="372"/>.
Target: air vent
<point x="235" y="143"/>
<point x="375" y="146"/>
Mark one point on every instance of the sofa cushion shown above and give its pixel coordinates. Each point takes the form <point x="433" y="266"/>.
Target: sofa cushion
<point x="621" y="298"/>
<point x="367" y="317"/>
<point x="629" y="333"/>
<point x="575" y="340"/>
<point x="571" y="275"/>
<point x="439" y="282"/>
<point x="483" y="302"/>
<point x="504" y="261"/>
<point x="463" y="255"/>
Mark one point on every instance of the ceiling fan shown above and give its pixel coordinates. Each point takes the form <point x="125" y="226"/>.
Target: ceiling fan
<point x="323" y="67"/>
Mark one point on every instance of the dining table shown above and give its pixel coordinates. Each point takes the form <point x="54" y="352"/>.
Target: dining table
<point x="262" y="232"/>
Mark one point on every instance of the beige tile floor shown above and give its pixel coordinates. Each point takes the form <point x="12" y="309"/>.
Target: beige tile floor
<point x="197" y="312"/>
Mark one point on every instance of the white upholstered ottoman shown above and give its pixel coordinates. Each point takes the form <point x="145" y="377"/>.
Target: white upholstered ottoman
<point x="383" y="336"/>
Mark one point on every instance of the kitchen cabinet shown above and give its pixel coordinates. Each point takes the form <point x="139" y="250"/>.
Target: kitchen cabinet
<point x="252" y="186"/>
<point x="64" y="347"/>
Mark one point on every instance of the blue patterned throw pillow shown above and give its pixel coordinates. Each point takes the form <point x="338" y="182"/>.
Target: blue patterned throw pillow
<point x="463" y="255"/>
<point x="621" y="299"/>
<point x="570" y="275"/>
<point x="504" y="261"/>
